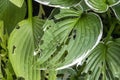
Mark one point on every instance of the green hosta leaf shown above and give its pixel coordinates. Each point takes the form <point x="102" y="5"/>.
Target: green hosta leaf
<point x="59" y="3"/>
<point x="104" y="61"/>
<point x="11" y="14"/>
<point x="116" y="10"/>
<point x="112" y="2"/>
<point x="101" y="5"/>
<point x="68" y="39"/>
<point x="22" y="44"/>
<point x="18" y="3"/>
<point x="84" y="5"/>
<point x="64" y="13"/>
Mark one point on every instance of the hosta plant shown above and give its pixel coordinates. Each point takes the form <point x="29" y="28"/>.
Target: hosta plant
<point x="77" y="33"/>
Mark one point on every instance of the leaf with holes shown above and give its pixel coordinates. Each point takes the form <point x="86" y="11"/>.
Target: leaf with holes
<point x="116" y="10"/>
<point x="22" y="44"/>
<point x="11" y="14"/>
<point x="18" y="3"/>
<point x="104" y="61"/>
<point x="59" y="3"/>
<point x="69" y="38"/>
<point x="101" y="5"/>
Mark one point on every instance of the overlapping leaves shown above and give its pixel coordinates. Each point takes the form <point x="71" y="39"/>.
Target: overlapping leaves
<point x="104" y="62"/>
<point x="18" y="3"/>
<point x="116" y="10"/>
<point x="68" y="38"/>
<point x="22" y="44"/>
<point x="59" y="3"/>
<point x="11" y="14"/>
<point x="101" y="5"/>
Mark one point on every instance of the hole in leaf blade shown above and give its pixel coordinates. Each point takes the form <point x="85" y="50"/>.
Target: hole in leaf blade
<point x="14" y="47"/>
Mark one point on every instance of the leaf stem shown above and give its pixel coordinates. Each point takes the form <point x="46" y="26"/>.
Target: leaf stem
<point x="112" y="26"/>
<point x="30" y="10"/>
<point x="110" y="31"/>
<point x="104" y="64"/>
<point x="52" y="74"/>
<point x="41" y="11"/>
<point x="42" y="75"/>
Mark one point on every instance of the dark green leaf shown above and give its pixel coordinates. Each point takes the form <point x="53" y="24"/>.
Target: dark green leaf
<point x="11" y="14"/>
<point x="116" y="10"/>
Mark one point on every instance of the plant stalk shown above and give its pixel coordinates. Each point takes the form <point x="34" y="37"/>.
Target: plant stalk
<point x="112" y="26"/>
<point x="104" y="64"/>
<point x="52" y="74"/>
<point x="42" y="75"/>
<point x="41" y="11"/>
<point x="110" y="31"/>
<point x="29" y="10"/>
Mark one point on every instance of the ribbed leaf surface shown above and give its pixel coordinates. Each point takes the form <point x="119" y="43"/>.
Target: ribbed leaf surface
<point x="101" y="5"/>
<point x="11" y="14"/>
<point x="59" y="3"/>
<point x="116" y="10"/>
<point x="22" y="44"/>
<point x="104" y="62"/>
<point x="68" y="39"/>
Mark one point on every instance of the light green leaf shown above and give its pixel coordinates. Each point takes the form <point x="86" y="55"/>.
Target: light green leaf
<point x="101" y="5"/>
<point x="11" y="14"/>
<point x="22" y="44"/>
<point x="116" y="10"/>
<point x="18" y="3"/>
<point x="68" y="39"/>
<point x="104" y="61"/>
<point x="59" y="3"/>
